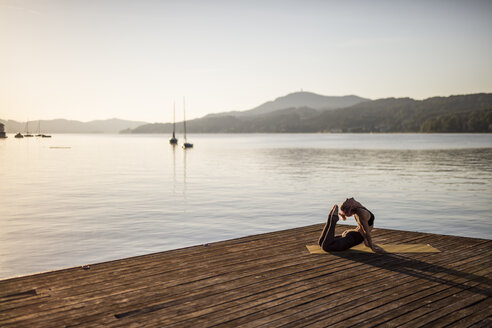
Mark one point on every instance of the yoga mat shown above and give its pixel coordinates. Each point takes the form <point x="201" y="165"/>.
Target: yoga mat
<point x="389" y="248"/>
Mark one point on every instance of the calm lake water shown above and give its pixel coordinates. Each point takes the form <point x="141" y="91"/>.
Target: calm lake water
<point x="112" y="196"/>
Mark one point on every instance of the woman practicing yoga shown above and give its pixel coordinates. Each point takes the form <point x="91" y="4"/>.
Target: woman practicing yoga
<point x="349" y="238"/>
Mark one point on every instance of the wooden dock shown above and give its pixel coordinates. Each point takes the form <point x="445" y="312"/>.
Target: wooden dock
<point x="267" y="280"/>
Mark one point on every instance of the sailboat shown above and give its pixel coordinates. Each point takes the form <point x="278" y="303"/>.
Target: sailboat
<point x="173" y="140"/>
<point x="39" y="132"/>
<point x="186" y="144"/>
<point x="27" y="130"/>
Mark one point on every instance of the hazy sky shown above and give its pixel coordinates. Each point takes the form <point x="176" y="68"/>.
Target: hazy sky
<point x="97" y="59"/>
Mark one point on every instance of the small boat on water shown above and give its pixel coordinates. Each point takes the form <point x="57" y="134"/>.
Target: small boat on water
<point x="173" y="140"/>
<point x="186" y="143"/>
<point x="27" y="130"/>
<point x="39" y="134"/>
<point x="19" y="135"/>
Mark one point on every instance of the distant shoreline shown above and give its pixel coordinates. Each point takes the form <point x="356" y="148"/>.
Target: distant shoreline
<point x="257" y="133"/>
<point x="305" y="112"/>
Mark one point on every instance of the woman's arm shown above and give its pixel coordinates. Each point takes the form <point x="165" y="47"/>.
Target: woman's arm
<point x="365" y="231"/>
<point x="368" y="236"/>
<point x="375" y="248"/>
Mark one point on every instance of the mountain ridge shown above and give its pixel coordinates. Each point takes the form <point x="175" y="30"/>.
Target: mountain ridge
<point x="457" y="113"/>
<point x="298" y="99"/>
<point x="61" y="125"/>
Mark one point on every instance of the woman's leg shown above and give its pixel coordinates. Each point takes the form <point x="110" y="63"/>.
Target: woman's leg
<point x="340" y="243"/>
<point x="328" y="225"/>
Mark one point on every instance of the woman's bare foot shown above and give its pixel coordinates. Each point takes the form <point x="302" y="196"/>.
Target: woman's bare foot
<point x="334" y="211"/>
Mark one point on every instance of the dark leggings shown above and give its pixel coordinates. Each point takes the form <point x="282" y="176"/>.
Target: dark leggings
<point x="329" y="242"/>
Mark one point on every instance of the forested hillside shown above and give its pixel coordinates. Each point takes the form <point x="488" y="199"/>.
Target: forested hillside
<point x="463" y="113"/>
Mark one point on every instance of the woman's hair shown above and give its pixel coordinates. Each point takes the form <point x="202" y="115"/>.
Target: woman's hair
<point x="349" y="205"/>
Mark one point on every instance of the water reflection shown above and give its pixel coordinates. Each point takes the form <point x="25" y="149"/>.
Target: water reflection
<point x="184" y="174"/>
<point x="174" y="169"/>
<point x="178" y="163"/>
<point x="301" y="161"/>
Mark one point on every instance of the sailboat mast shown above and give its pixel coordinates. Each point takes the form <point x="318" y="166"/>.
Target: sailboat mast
<point x="174" y="119"/>
<point x="184" y="118"/>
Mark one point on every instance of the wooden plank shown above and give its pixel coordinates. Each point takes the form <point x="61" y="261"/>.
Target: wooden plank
<point x="301" y="313"/>
<point x="265" y="279"/>
<point x="293" y="290"/>
<point x="116" y="273"/>
<point x="161" y="313"/>
<point x="336" y="278"/>
<point x="37" y="310"/>
<point x="357" y="314"/>
<point x="471" y="314"/>
<point x="309" y="306"/>
<point x="181" y="272"/>
<point x="387" y="302"/>
<point x="437" y="296"/>
<point x="429" y="309"/>
<point x="173" y="256"/>
<point x="95" y="277"/>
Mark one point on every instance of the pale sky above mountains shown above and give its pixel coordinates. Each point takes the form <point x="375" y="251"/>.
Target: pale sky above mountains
<point x="90" y="59"/>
